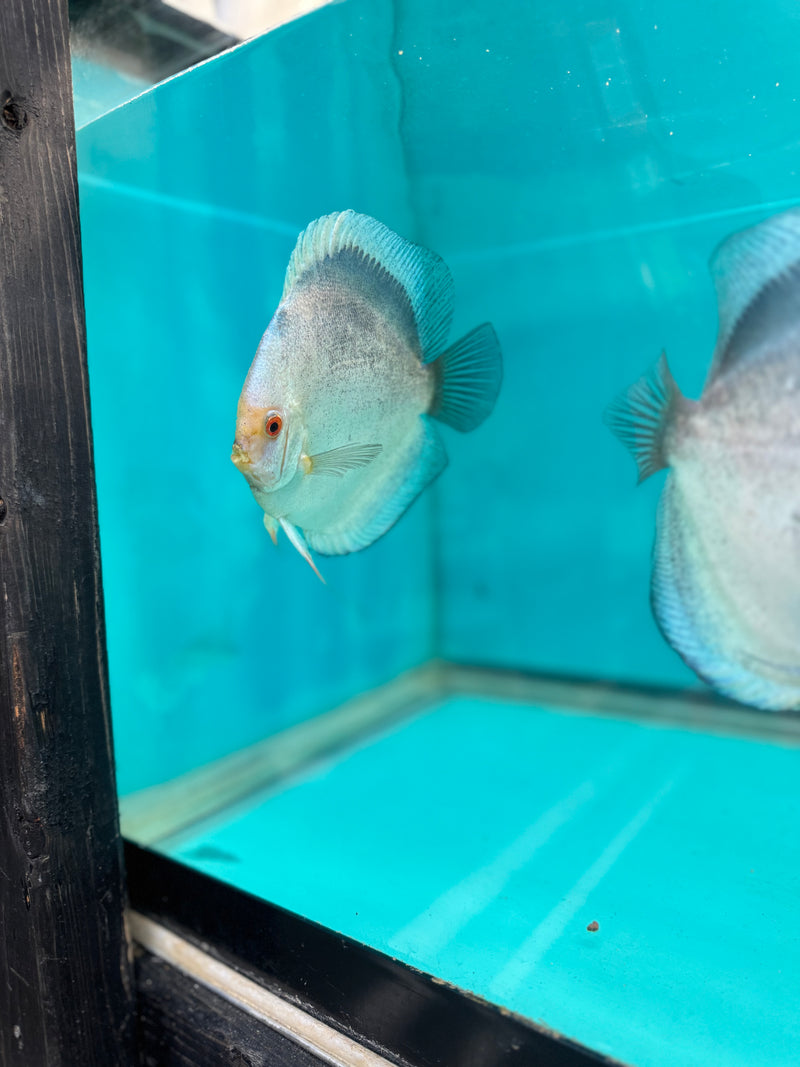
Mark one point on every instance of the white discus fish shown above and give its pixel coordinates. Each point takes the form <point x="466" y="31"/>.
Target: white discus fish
<point x="333" y="431"/>
<point x="726" y="568"/>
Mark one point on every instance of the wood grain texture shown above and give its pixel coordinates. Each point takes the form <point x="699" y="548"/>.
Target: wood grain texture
<point x="65" y="986"/>
<point x="183" y="1024"/>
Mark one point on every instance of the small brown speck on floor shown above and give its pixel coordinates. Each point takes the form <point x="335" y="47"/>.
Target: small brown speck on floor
<point x="593" y="926"/>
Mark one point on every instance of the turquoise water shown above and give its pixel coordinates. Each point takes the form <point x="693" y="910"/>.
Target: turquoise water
<point x="575" y="166"/>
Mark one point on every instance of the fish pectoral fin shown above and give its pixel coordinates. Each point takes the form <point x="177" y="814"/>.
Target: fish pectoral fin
<point x="272" y="527"/>
<point x="297" y="540"/>
<point x="339" y="461"/>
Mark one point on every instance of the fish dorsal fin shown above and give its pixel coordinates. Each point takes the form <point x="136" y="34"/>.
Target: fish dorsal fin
<point x="757" y="277"/>
<point x="423" y="276"/>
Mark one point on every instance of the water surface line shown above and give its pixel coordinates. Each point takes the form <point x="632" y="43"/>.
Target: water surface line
<point x="192" y="207"/>
<point x="575" y="240"/>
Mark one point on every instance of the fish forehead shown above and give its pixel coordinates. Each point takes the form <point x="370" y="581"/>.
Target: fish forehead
<point x="250" y="418"/>
<point x="268" y="379"/>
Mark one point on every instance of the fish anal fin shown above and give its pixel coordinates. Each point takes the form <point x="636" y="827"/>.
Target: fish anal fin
<point x="641" y="417"/>
<point x="468" y="377"/>
<point x="338" y="461"/>
<point x="424" y="277"/>
<point x="380" y="505"/>
<point x="695" y="619"/>
<point x="297" y="540"/>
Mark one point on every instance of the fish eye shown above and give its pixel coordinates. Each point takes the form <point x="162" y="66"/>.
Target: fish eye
<point x="273" y="424"/>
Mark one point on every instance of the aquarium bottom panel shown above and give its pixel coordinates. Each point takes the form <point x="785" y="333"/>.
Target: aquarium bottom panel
<point x="628" y="880"/>
<point x="226" y="978"/>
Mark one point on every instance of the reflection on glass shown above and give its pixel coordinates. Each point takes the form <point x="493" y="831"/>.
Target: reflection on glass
<point x="475" y="729"/>
<point x="121" y="47"/>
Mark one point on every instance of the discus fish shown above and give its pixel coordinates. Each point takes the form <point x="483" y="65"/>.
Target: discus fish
<point x="333" y="430"/>
<point x="725" y="587"/>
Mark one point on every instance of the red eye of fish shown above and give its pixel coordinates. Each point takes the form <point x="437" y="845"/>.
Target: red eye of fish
<point x="274" y="424"/>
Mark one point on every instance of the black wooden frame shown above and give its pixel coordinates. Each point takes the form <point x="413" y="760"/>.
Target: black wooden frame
<point x="385" y="1005"/>
<point x="66" y="990"/>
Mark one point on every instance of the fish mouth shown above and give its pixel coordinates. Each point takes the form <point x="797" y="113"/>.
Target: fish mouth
<point x="244" y="462"/>
<point x="240" y="458"/>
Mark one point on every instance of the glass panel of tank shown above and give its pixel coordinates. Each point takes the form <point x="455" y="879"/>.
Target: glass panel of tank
<point x="475" y="727"/>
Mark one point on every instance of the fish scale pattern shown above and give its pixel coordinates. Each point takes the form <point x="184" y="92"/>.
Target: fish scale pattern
<point x="424" y="276"/>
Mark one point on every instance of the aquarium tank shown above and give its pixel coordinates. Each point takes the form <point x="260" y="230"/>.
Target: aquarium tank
<point x="471" y="748"/>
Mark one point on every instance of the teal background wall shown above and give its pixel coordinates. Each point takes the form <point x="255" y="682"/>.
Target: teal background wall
<point x="192" y="197"/>
<point x="575" y="167"/>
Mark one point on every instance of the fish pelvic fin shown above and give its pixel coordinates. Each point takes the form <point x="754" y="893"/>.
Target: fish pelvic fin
<point x="468" y="376"/>
<point x="271" y="526"/>
<point x="297" y="540"/>
<point x="642" y="415"/>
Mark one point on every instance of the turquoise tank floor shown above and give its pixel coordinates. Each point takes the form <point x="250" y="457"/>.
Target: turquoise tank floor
<point x="478" y="840"/>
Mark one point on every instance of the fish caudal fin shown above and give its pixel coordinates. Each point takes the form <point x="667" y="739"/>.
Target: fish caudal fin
<point x="296" y="538"/>
<point x="468" y="377"/>
<point x="641" y="416"/>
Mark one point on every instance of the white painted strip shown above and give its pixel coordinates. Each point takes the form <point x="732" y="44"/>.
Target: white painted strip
<point x="322" y="1040"/>
<point x="528" y="955"/>
<point x="453" y="910"/>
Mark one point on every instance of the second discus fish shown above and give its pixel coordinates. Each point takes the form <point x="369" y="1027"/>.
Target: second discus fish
<point x="726" y="568"/>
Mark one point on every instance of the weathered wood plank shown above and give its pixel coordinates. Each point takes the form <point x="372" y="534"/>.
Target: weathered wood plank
<point x="183" y="1024"/>
<point x="65" y="986"/>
